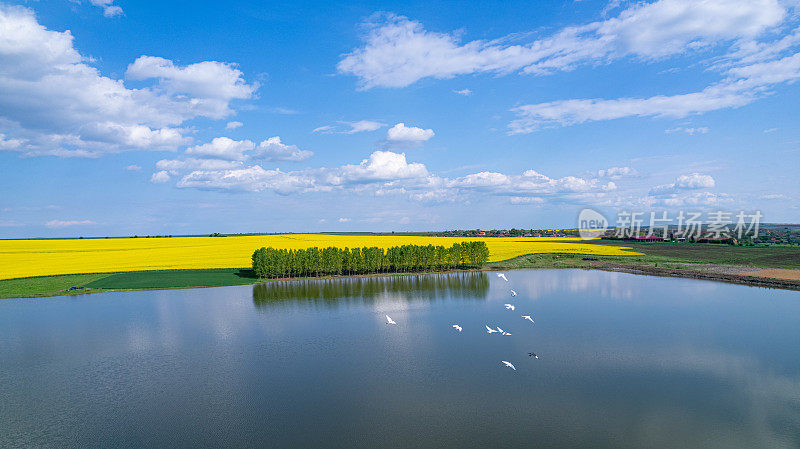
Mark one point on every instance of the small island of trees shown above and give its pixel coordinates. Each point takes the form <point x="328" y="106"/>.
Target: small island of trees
<point x="279" y="263"/>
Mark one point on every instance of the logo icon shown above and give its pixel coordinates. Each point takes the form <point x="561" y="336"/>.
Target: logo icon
<point x="591" y="224"/>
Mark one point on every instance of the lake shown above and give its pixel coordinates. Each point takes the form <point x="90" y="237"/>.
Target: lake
<point x="625" y="361"/>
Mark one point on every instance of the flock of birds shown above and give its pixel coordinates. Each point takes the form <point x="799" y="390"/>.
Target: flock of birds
<point x="490" y="330"/>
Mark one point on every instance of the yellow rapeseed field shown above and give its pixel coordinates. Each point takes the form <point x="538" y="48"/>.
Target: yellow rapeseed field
<point x="24" y="258"/>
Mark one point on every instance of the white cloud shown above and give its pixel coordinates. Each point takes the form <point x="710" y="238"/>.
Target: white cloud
<point x="387" y="173"/>
<point x="741" y="86"/>
<point x="174" y="166"/>
<point x="343" y="220"/>
<point x="693" y="181"/>
<point x="770" y="130"/>
<point x="573" y="112"/>
<point x="52" y="102"/>
<point x="364" y="125"/>
<point x="160" y="177"/>
<point x="398" y="52"/>
<point x="352" y="127"/>
<point x="254" y="179"/>
<point x="694" y="199"/>
<point x="617" y="172"/>
<point x="324" y="129"/>
<point x="223" y="148"/>
<point x="109" y="8"/>
<point x="282" y="111"/>
<point x="481" y="180"/>
<point x="464" y="92"/>
<point x="214" y="83"/>
<point x="774" y="196"/>
<point x="402" y="133"/>
<point x="382" y="166"/>
<point x="527" y="200"/>
<point x="66" y="223"/>
<point x="273" y="150"/>
<point x="233" y="125"/>
<point x="133" y="168"/>
<point x="689" y="131"/>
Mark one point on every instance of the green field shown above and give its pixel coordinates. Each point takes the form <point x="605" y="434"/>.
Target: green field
<point x="45" y="285"/>
<point x="756" y="256"/>
<point x="174" y="279"/>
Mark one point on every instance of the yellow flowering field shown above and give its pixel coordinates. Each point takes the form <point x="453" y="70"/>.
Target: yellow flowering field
<point x="24" y="258"/>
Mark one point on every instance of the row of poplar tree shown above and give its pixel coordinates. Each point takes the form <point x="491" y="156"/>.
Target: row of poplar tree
<point x="273" y="263"/>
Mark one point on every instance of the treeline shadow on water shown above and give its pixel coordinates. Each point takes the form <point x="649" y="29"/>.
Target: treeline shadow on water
<point x="420" y="287"/>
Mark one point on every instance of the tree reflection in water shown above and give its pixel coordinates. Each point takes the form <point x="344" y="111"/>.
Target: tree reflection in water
<point x="426" y="287"/>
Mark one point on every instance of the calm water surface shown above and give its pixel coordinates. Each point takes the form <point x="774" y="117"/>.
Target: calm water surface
<point x="626" y="361"/>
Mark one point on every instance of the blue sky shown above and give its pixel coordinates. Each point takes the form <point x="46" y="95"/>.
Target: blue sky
<point x="122" y="118"/>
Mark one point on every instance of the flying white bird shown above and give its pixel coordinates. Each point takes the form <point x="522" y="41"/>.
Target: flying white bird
<point x="457" y="327"/>
<point x="489" y="330"/>
<point x="528" y="317"/>
<point x="531" y="354"/>
<point x="500" y="330"/>
<point x="389" y="320"/>
<point x="509" y="364"/>
<point x="510" y="306"/>
<point x="513" y="293"/>
<point x="506" y="333"/>
<point x="502" y="276"/>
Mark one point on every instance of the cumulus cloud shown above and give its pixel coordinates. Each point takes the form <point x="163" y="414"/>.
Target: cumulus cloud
<point x="382" y="166"/>
<point x="273" y="149"/>
<point x="389" y="173"/>
<point x="52" y="102"/>
<point x="693" y="181"/>
<point x="222" y="148"/>
<point x="464" y="92"/>
<point x="398" y="51"/>
<point x="160" y="177"/>
<point x="617" y="172"/>
<point x="227" y="149"/>
<point x="233" y="125"/>
<point x="67" y="223"/>
<point x="411" y="134"/>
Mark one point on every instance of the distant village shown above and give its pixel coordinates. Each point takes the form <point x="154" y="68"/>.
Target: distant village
<point x="768" y="234"/>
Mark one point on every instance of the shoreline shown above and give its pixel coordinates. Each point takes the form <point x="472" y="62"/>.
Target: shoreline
<point x="708" y="272"/>
<point x="739" y="279"/>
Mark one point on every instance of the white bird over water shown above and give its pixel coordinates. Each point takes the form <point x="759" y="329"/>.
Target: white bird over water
<point x="513" y="293"/>
<point x="509" y="364"/>
<point x="389" y="320"/>
<point x="502" y="276"/>
<point x="528" y="317"/>
<point x="489" y="330"/>
<point x="457" y="327"/>
<point x="510" y="306"/>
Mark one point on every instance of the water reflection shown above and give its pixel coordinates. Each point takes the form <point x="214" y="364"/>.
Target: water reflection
<point x="332" y="292"/>
<point x="626" y="361"/>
